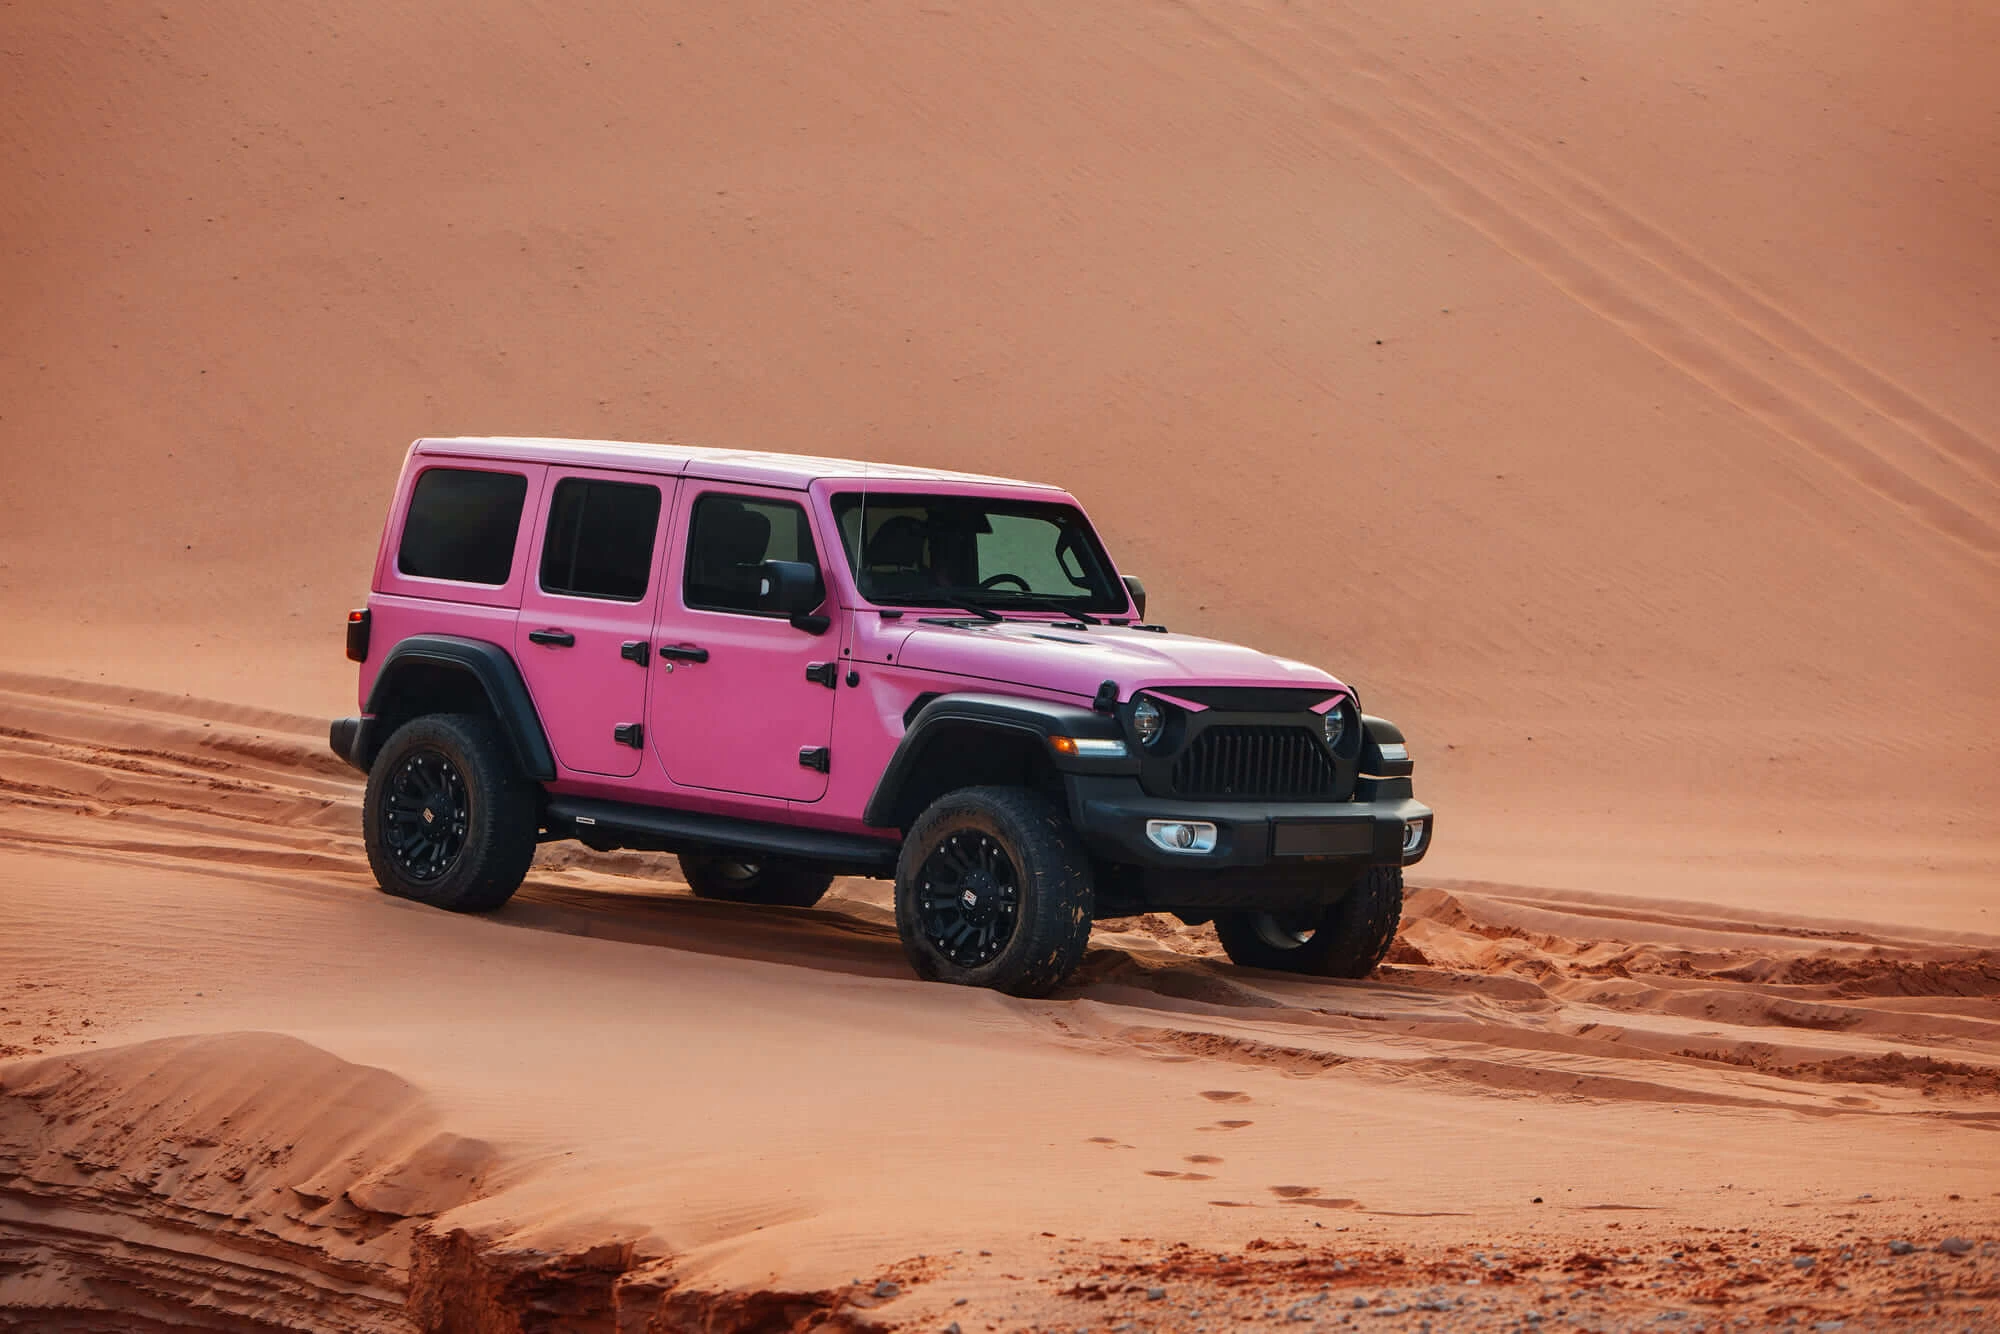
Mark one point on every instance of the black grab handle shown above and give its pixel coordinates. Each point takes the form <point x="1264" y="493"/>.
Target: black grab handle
<point x="685" y="652"/>
<point x="559" y="638"/>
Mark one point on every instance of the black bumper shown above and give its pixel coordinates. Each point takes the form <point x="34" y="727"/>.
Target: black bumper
<point x="1266" y="853"/>
<point x="344" y="737"/>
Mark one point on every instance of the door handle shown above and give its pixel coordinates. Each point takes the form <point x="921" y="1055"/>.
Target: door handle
<point x="556" y="638"/>
<point x="685" y="652"/>
<point x="633" y="650"/>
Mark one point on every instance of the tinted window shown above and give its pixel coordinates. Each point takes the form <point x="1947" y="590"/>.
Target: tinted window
<point x="730" y="537"/>
<point x="935" y="551"/>
<point x="600" y="539"/>
<point x="462" y="525"/>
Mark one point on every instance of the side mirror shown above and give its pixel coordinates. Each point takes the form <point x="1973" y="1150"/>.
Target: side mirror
<point x="793" y="588"/>
<point x="1138" y="592"/>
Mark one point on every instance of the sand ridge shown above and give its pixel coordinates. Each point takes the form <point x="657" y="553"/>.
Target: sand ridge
<point x="1605" y="392"/>
<point x="1578" y="1039"/>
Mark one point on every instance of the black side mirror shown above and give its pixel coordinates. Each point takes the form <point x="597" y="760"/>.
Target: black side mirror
<point x="793" y="588"/>
<point x="1138" y="592"/>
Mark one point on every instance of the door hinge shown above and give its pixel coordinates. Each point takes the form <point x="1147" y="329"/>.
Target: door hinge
<point x="635" y="650"/>
<point x="629" y="734"/>
<point x="823" y="673"/>
<point x="816" y="757"/>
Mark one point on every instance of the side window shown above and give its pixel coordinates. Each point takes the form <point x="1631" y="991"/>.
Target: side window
<point x="600" y="539"/>
<point x="729" y="537"/>
<point x="462" y="525"/>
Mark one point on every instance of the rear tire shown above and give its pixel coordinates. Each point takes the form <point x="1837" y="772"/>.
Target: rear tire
<point x="993" y="889"/>
<point x="772" y="881"/>
<point x="448" y="818"/>
<point x="1344" y="939"/>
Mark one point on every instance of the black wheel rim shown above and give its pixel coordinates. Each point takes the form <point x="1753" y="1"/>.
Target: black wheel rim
<point x="1285" y="931"/>
<point x="425" y="813"/>
<point x="969" y="898"/>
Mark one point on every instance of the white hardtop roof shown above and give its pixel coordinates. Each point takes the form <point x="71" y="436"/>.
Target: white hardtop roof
<point x="743" y="465"/>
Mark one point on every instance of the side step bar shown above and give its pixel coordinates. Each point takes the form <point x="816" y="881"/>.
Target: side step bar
<point x="616" y="824"/>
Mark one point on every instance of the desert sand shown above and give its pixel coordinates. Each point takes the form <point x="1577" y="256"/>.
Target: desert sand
<point x="1608" y="392"/>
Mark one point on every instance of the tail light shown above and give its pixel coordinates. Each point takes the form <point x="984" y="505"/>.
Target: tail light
<point x="357" y="635"/>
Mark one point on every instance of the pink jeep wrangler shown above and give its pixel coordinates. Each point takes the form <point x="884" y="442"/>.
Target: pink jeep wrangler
<point x="784" y="669"/>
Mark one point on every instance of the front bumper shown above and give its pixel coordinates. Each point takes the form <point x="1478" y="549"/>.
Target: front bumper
<point x="1268" y="856"/>
<point x="1111" y="813"/>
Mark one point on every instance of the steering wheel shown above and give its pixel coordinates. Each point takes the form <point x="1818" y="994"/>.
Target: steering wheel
<point x="995" y="580"/>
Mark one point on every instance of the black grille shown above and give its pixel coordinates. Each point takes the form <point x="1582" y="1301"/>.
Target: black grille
<point x="1250" y="762"/>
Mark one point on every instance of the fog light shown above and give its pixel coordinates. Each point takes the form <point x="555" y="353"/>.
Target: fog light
<point x="1414" y="832"/>
<point x="1181" y="835"/>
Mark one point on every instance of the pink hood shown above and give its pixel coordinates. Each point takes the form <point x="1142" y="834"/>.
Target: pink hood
<point x="1076" y="662"/>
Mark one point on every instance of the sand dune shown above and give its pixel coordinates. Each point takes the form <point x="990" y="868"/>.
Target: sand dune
<point x="1617" y="388"/>
<point x="708" y="1105"/>
<point x="1608" y="393"/>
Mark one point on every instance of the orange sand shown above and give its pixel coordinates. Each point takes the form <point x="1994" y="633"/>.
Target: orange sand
<point x="1609" y="395"/>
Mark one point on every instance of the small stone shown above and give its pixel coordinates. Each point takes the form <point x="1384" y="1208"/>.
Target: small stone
<point x="952" y="1328"/>
<point x="1156" y="1294"/>
<point x="1360" y="1302"/>
<point x="1955" y="1246"/>
<point x="886" y="1289"/>
<point x="958" y="1301"/>
<point x="1900" y="1248"/>
<point x="1802" y="1262"/>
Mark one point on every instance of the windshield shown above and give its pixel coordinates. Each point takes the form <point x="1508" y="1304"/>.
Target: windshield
<point x="956" y="551"/>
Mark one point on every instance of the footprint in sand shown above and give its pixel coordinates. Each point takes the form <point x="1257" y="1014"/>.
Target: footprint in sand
<point x="1310" y="1195"/>
<point x="1227" y="1125"/>
<point x="1107" y="1142"/>
<point x="1166" y="1174"/>
<point x="1201" y="1158"/>
<point x="1225" y="1095"/>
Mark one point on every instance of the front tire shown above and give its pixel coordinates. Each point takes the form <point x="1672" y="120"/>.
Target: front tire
<point x="993" y="889"/>
<point x="1348" y="938"/>
<point x="772" y="881"/>
<point x="448" y="818"/>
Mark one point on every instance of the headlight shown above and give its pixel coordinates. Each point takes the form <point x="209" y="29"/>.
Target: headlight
<point x="1148" y="721"/>
<point x="1336" y="725"/>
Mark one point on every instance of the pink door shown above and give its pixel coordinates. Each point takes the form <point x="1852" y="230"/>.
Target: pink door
<point x="587" y="611"/>
<point x="733" y="708"/>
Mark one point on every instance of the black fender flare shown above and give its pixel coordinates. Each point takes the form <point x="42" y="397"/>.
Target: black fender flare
<point x="1012" y="715"/>
<point x="487" y="663"/>
<point x="1375" y="734"/>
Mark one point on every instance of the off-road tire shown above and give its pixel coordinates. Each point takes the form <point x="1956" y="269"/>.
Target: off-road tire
<point x="768" y="880"/>
<point x="1050" y="926"/>
<point x="1347" y="938"/>
<point x="498" y="809"/>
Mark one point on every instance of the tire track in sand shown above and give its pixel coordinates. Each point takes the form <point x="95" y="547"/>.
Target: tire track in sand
<point x="1635" y="276"/>
<point x="1491" y="990"/>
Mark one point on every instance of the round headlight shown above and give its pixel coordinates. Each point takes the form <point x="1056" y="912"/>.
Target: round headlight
<point x="1148" y="721"/>
<point x="1336" y="725"/>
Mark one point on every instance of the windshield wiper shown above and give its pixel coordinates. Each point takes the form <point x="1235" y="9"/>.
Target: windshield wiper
<point x="1029" y="603"/>
<point x="983" y="612"/>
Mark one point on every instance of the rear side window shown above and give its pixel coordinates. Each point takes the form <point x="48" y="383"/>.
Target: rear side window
<point x="730" y="537"/>
<point x="462" y="525"/>
<point x="600" y="539"/>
